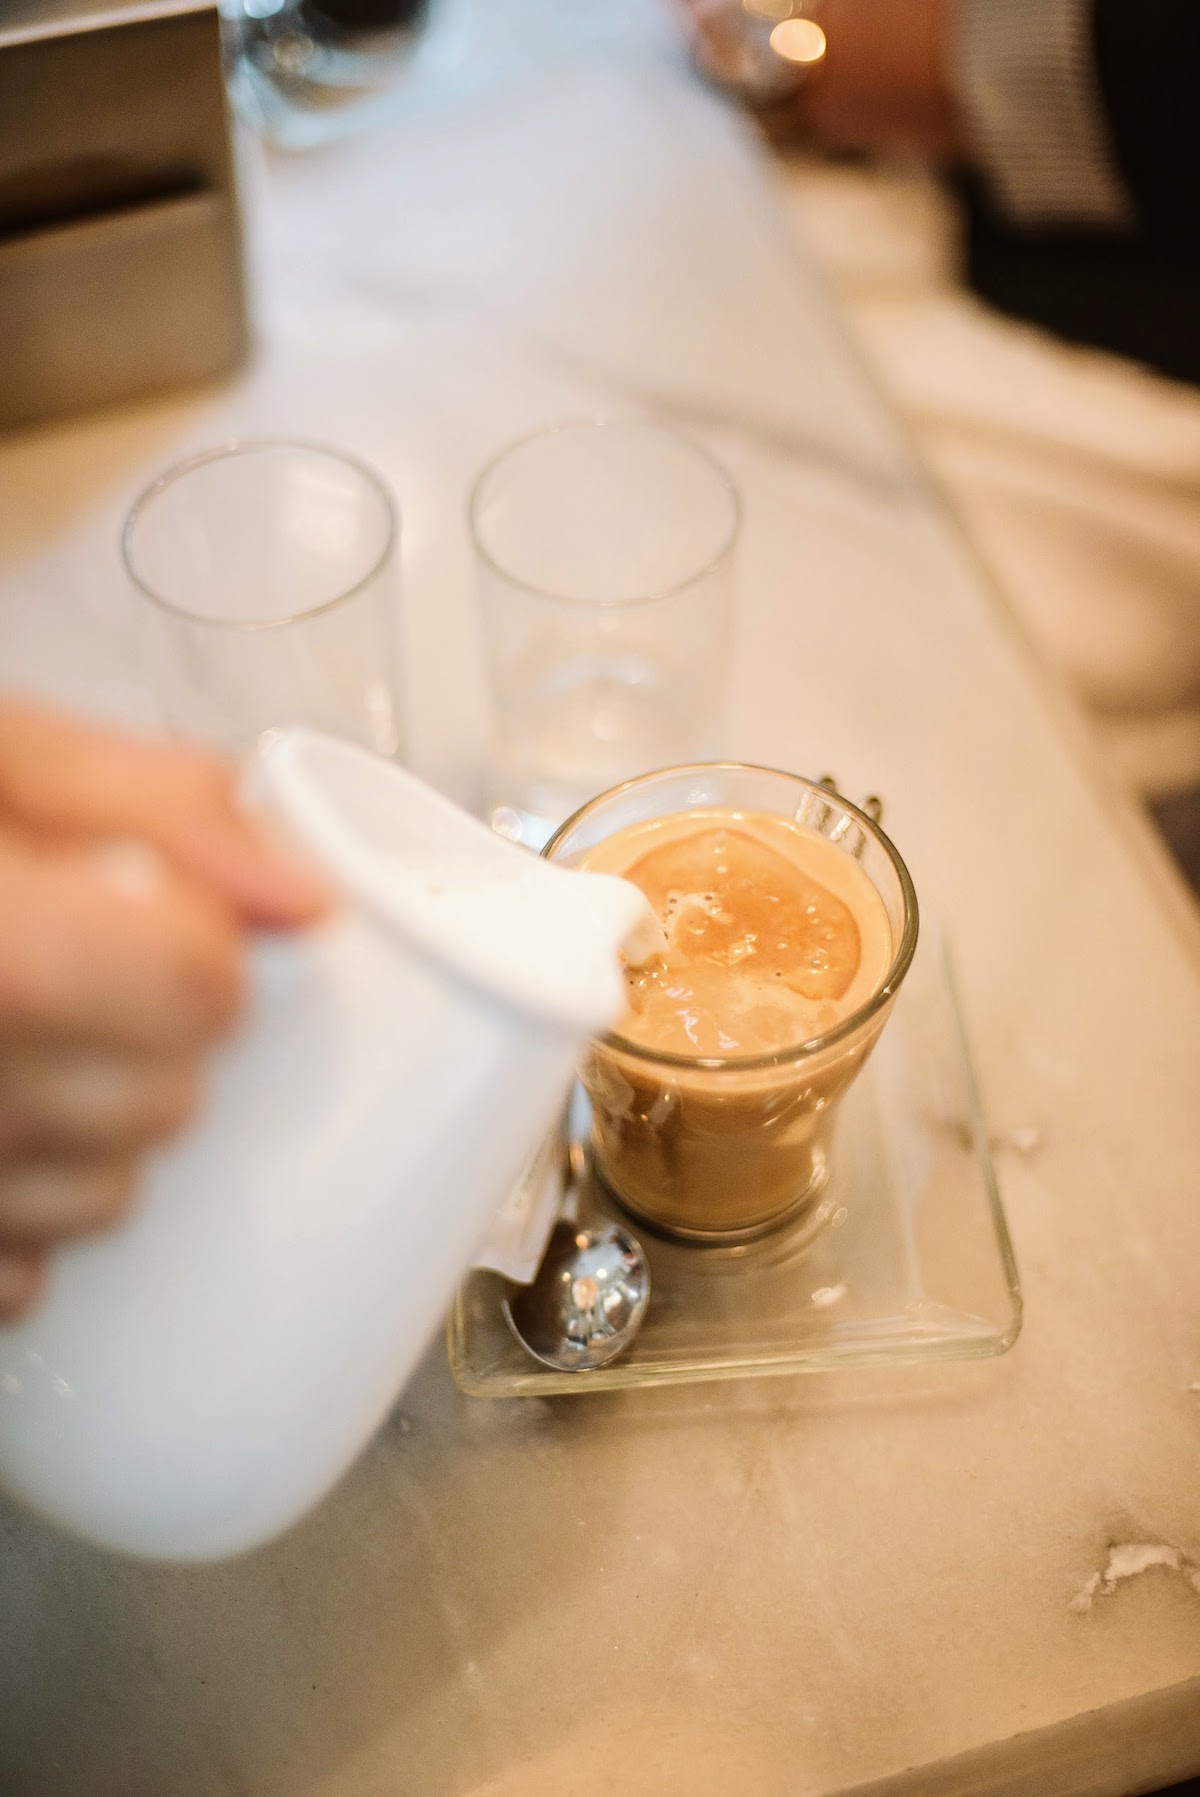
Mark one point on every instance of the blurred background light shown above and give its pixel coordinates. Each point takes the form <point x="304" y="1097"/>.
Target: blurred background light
<point x="798" y="40"/>
<point x="774" y="10"/>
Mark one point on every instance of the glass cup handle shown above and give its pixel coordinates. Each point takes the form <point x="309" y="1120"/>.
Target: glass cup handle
<point x="872" y="806"/>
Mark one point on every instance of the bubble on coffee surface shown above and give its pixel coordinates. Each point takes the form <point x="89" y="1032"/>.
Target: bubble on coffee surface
<point x="758" y="952"/>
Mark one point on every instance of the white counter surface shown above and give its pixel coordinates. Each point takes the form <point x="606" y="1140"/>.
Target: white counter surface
<point x="787" y="1589"/>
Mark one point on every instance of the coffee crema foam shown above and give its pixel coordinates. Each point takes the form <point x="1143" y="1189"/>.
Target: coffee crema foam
<point x="774" y="934"/>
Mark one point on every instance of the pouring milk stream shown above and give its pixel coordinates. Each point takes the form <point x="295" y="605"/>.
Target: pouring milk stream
<point x="197" y="1379"/>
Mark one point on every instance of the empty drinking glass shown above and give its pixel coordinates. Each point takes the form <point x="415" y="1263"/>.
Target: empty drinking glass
<point x="268" y="572"/>
<point x="605" y="572"/>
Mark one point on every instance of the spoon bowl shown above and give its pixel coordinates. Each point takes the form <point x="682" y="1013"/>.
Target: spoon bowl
<point x="587" y="1301"/>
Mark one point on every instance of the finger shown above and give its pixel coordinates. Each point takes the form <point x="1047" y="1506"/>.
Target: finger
<point x="44" y="1202"/>
<point x="86" y="1102"/>
<point x="22" y="1282"/>
<point x="59" y="777"/>
<point x="190" y="812"/>
<point x="83" y="961"/>
<point x="232" y="854"/>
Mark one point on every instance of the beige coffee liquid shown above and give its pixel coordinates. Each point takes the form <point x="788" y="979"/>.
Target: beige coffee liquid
<point x="773" y="933"/>
<point x="774" y="936"/>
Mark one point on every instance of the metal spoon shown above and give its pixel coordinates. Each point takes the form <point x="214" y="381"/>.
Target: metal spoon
<point x="587" y="1301"/>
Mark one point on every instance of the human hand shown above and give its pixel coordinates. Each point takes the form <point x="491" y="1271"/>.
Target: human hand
<point x="129" y="883"/>
<point x="882" y="84"/>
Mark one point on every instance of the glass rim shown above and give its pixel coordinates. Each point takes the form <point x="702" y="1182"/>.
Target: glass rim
<point x="849" y="1025"/>
<point x="724" y="479"/>
<point x="243" y="446"/>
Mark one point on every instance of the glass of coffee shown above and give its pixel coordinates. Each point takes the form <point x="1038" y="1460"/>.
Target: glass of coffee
<point x="790" y="921"/>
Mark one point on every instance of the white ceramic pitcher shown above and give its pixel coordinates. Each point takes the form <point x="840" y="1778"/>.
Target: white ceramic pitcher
<point x="197" y="1379"/>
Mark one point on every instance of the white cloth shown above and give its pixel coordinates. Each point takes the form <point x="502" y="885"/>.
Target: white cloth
<point x="517" y="1235"/>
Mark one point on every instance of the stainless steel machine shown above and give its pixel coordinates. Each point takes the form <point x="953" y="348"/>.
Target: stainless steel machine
<point x="121" y="266"/>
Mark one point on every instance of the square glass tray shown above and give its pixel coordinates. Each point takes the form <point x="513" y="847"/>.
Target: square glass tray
<point x="905" y="1255"/>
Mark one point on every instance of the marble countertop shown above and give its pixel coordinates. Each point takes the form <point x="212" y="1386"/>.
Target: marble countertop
<point x="983" y="1578"/>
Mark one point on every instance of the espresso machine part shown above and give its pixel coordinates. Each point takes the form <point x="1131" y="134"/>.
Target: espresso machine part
<point x="120" y="239"/>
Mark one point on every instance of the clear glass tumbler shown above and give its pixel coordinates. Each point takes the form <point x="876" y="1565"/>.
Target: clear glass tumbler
<point x="605" y="562"/>
<point x="268" y="569"/>
<point x="721" y="1149"/>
